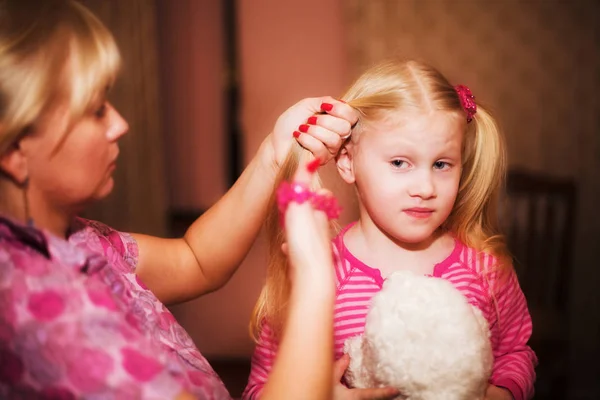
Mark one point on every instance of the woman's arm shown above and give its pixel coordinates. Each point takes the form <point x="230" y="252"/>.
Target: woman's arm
<point x="213" y="247"/>
<point x="303" y="366"/>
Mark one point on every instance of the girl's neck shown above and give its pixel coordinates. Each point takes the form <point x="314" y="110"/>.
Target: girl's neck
<point x="378" y="250"/>
<point x="14" y="205"/>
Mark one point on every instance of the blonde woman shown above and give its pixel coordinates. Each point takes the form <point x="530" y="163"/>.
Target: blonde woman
<point x="427" y="162"/>
<point x="81" y="305"/>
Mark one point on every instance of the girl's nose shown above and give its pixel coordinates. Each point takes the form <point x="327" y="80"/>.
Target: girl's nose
<point x="422" y="186"/>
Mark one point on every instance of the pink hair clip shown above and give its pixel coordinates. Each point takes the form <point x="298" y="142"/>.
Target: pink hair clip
<point x="300" y="193"/>
<point x="467" y="101"/>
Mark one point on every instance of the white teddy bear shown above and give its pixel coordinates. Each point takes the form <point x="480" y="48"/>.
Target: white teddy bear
<point x="424" y="338"/>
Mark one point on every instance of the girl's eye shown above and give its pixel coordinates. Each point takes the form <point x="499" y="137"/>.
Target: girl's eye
<point x="441" y="165"/>
<point x="399" y="164"/>
<point x="101" y="111"/>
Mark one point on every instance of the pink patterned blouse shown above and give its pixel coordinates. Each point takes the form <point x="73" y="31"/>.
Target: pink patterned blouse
<point x="76" y="322"/>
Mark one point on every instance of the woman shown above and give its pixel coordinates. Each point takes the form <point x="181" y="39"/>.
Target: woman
<point x="81" y="305"/>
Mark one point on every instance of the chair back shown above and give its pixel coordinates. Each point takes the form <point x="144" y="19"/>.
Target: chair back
<point x="539" y="218"/>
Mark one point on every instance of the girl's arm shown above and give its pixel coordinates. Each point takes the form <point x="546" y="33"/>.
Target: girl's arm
<point x="514" y="361"/>
<point x="213" y="247"/>
<point x="262" y="363"/>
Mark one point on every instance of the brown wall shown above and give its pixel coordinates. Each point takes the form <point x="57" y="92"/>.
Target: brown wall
<point x="192" y="51"/>
<point x="139" y="200"/>
<point x="288" y="51"/>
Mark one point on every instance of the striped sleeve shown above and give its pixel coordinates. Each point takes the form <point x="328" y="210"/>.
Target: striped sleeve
<point x="514" y="360"/>
<point x="262" y="363"/>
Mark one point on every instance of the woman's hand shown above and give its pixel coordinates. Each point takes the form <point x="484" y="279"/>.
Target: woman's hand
<point x="319" y="124"/>
<point x="341" y="392"/>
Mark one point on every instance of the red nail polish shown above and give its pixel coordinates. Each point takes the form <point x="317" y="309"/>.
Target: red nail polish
<point x="313" y="165"/>
<point x="326" y="107"/>
<point x="312" y="120"/>
<point x="303" y="128"/>
<point x="296" y="134"/>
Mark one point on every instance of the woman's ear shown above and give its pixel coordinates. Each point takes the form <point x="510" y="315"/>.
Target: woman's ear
<point x="344" y="162"/>
<point x="13" y="164"/>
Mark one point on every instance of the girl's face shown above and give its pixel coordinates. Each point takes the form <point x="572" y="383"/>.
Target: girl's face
<point x="70" y="164"/>
<point x="407" y="170"/>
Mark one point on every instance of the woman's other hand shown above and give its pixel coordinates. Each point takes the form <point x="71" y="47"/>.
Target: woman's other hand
<point x="308" y="244"/>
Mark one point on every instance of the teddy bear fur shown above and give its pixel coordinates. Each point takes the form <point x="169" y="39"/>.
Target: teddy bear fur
<point x="422" y="337"/>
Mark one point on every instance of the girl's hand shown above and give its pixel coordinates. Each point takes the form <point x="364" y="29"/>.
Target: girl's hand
<point x="497" y="393"/>
<point x="341" y="392"/>
<point x="319" y="124"/>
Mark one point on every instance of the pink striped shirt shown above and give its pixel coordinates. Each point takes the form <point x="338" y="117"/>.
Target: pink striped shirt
<point x="357" y="283"/>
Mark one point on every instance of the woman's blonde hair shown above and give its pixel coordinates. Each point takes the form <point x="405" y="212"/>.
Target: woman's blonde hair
<point x="392" y="87"/>
<point x="50" y="50"/>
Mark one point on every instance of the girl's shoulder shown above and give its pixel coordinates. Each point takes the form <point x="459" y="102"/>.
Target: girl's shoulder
<point x="483" y="267"/>
<point x="477" y="261"/>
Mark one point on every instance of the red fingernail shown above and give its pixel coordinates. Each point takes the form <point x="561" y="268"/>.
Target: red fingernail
<point x="296" y="134"/>
<point x="303" y="128"/>
<point x="312" y="120"/>
<point x="326" y="107"/>
<point x="313" y="165"/>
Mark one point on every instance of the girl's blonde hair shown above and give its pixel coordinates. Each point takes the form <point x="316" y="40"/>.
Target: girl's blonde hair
<point x="50" y="50"/>
<point x="388" y="88"/>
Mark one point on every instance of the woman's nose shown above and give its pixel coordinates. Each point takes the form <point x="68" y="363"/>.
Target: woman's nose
<point x="117" y="125"/>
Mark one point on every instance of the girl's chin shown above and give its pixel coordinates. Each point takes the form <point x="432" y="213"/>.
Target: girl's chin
<point x="416" y="239"/>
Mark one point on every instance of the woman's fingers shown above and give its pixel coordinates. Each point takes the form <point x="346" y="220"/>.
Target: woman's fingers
<point x="339" y="109"/>
<point x="324" y="133"/>
<point x="329" y="140"/>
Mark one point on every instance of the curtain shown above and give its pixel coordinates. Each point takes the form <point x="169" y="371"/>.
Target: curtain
<point x="138" y="202"/>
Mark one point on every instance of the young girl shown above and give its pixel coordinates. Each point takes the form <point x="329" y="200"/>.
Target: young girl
<point x="428" y="163"/>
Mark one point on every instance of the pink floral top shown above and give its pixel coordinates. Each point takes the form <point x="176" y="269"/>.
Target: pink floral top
<point x="76" y="322"/>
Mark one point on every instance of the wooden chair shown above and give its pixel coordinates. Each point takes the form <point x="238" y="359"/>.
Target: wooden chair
<point x="539" y="218"/>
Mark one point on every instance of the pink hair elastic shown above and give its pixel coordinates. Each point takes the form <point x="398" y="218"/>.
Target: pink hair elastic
<point x="467" y="101"/>
<point x="299" y="193"/>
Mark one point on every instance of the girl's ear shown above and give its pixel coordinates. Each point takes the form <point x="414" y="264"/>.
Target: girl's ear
<point x="344" y="163"/>
<point x="13" y="164"/>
